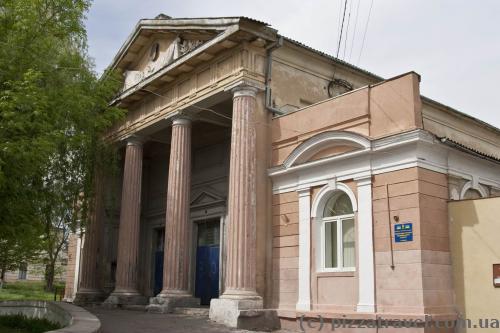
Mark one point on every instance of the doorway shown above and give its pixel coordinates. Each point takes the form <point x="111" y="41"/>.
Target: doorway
<point x="158" y="260"/>
<point x="207" y="261"/>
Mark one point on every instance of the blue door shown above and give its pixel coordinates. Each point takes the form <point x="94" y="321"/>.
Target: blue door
<point x="158" y="260"/>
<point x="158" y="272"/>
<point x="207" y="262"/>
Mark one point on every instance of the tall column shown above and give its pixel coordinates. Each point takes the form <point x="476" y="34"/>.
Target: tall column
<point x="178" y="227"/>
<point x="89" y="290"/>
<point x="240" y="282"/>
<point x="240" y="293"/>
<point x="366" y="275"/>
<point x="241" y="236"/>
<point x="128" y="235"/>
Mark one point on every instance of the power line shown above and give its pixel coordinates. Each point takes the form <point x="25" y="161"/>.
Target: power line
<point x="341" y="29"/>
<point x="354" y="32"/>
<point x="364" y="34"/>
<point x="339" y="21"/>
<point x="347" y="29"/>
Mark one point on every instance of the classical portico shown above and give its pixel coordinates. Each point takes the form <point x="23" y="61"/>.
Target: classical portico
<point x="251" y="182"/>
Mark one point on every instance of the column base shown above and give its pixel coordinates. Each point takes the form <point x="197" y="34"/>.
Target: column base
<point x="245" y="313"/>
<point x="120" y="298"/>
<point x="166" y="303"/>
<point x="85" y="297"/>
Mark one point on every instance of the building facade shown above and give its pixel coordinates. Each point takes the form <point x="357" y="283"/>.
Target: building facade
<point x="276" y="183"/>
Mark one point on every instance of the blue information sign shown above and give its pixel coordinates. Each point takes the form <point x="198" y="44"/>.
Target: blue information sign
<point x="403" y="232"/>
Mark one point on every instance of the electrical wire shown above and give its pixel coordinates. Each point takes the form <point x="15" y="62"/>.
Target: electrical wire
<point x="339" y="21"/>
<point x="341" y="29"/>
<point x="364" y="34"/>
<point x="354" y="32"/>
<point x="346" y="39"/>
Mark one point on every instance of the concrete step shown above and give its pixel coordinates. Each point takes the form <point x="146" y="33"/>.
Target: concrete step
<point x="199" y="312"/>
<point x="156" y="308"/>
<point x="135" y="307"/>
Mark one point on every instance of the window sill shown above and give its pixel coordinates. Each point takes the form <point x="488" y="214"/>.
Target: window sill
<point x="336" y="274"/>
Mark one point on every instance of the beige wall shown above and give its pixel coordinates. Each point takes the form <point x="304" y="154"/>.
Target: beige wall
<point x="475" y="247"/>
<point x="310" y="75"/>
<point x="443" y="122"/>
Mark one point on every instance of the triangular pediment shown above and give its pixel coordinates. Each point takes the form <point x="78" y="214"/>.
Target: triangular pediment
<point x="159" y="51"/>
<point x="206" y="198"/>
<point x="163" y="48"/>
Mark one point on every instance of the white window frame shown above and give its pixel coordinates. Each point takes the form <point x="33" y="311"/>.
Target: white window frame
<point x="340" y="245"/>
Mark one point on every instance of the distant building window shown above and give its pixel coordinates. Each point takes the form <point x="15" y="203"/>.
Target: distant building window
<point x="23" y="271"/>
<point x="338" y="236"/>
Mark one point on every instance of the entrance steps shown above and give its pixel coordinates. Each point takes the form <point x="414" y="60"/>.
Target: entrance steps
<point x="192" y="311"/>
<point x="198" y="312"/>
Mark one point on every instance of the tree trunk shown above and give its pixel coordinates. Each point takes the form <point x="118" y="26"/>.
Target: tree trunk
<point x="49" y="276"/>
<point x="2" y="277"/>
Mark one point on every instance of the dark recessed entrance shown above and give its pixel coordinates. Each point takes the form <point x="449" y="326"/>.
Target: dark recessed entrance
<point x="207" y="261"/>
<point x="158" y="264"/>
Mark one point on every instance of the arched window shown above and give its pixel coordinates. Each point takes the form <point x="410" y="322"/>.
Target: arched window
<point x="337" y="234"/>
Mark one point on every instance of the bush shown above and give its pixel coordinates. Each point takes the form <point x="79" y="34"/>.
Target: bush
<point x="32" y="325"/>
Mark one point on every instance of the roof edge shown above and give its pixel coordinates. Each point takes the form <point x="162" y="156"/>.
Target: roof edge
<point x="158" y="22"/>
<point x="427" y="100"/>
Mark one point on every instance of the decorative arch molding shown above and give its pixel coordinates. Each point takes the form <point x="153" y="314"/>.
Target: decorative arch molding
<point x="318" y="142"/>
<point x="475" y="186"/>
<point x="325" y="193"/>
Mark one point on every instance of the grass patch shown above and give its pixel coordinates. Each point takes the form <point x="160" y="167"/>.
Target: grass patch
<point x="24" y="324"/>
<point x="26" y="291"/>
<point x="4" y="329"/>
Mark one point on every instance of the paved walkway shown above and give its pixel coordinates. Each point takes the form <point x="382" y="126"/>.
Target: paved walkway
<point x="125" y="321"/>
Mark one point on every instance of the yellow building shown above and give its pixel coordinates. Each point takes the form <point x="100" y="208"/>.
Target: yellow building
<point x="475" y="248"/>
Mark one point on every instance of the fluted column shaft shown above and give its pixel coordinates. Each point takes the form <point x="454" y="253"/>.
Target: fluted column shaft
<point x="241" y="237"/>
<point x="178" y="228"/>
<point x="128" y="235"/>
<point x="89" y="282"/>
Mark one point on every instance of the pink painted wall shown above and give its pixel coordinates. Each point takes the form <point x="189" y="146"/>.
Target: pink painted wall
<point x="285" y="250"/>
<point x="383" y="109"/>
<point x="421" y="279"/>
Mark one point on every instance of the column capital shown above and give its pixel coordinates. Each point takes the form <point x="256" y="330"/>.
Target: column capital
<point x="364" y="180"/>
<point x="182" y="120"/>
<point x="304" y="191"/>
<point x="244" y="90"/>
<point x="245" y="87"/>
<point x="134" y="140"/>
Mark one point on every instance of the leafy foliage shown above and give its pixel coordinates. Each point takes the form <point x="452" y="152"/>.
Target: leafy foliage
<point x="25" y="323"/>
<point x="53" y="113"/>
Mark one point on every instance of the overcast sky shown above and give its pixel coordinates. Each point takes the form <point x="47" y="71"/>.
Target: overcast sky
<point x="454" y="44"/>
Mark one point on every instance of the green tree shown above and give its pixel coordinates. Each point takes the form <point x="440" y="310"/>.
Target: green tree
<point x="18" y="245"/>
<point x="53" y="114"/>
